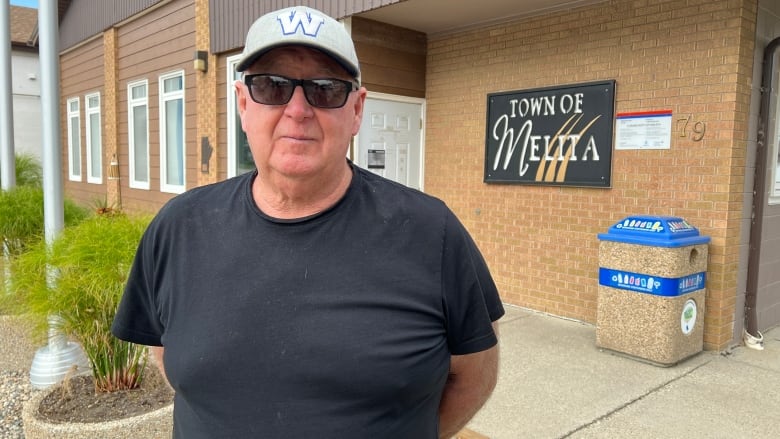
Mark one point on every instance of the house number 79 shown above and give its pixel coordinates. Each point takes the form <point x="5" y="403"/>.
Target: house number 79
<point x="697" y="130"/>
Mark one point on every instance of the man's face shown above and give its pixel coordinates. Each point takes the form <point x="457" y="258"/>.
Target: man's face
<point x="297" y="140"/>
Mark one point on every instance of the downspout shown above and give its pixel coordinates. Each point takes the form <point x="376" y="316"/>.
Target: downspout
<point x="753" y="337"/>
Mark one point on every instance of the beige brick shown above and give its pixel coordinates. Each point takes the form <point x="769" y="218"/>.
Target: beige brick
<point x="694" y="58"/>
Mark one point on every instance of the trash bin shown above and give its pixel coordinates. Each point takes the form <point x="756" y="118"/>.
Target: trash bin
<point x="652" y="272"/>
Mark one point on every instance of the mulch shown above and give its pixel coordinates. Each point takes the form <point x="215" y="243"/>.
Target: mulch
<point x="75" y="400"/>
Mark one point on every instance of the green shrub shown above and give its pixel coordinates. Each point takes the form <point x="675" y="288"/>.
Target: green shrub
<point x="21" y="217"/>
<point x="19" y="210"/>
<point x="28" y="170"/>
<point x="22" y="225"/>
<point x="90" y="263"/>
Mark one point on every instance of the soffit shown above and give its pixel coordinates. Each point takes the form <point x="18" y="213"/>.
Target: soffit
<point x="443" y="16"/>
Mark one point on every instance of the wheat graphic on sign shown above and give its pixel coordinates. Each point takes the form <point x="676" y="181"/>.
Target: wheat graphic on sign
<point x="555" y="170"/>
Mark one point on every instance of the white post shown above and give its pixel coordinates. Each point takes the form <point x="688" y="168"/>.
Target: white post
<point x="50" y="110"/>
<point x="53" y="362"/>
<point x="7" y="160"/>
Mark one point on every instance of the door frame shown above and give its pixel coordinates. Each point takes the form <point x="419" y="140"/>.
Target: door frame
<point x="231" y="61"/>
<point x="402" y="99"/>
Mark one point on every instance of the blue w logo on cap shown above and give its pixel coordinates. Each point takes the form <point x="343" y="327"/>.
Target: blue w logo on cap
<point x="307" y="22"/>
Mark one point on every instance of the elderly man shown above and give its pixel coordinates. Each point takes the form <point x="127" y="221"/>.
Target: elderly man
<point x="312" y="298"/>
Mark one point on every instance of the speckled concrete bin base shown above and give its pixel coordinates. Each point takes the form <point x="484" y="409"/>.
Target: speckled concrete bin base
<point x="153" y="425"/>
<point x="648" y="326"/>
<point x="644" y="325"/>
<point x="671" y="262"/>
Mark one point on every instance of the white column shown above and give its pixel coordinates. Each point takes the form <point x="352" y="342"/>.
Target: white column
<point x="50" y="108"/>
<point x="7" y="160"/>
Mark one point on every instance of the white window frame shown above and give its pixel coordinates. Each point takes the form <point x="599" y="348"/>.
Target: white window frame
<point x="133" y="103"/>
<point x="74" y="173"/>
<point x="166" y="97"/>
<point x="94" y="146"/>
<point x="232" y="61"/>
<point x="232" y="110"/>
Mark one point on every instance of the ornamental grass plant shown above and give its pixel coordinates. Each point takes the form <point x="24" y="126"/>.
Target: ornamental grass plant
<point x="21" y="218"/>
<point x="28" y="170"/>
<point x="80" y="278"/>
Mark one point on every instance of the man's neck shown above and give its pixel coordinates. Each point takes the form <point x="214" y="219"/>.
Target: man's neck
<point x="286" y="198"/>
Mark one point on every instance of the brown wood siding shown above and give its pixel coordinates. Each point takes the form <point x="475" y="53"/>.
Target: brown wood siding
<point x="86" y="18"/>
<point x="155" y="44"/>
<point x="230" y="20"/>
<point x="81" y="73"/>
<point x="392" y="59"/>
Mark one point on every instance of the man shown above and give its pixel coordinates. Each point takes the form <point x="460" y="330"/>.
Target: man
<point x="312" y="298"/>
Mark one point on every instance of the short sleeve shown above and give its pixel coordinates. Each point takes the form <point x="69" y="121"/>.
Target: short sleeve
<point x="471" y="298"/>
<point x="137" y="319"/>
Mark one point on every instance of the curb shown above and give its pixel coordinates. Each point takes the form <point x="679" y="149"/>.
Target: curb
<point x="157" y="424"/>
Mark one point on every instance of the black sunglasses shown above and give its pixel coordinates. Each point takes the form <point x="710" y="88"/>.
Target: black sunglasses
<point x="278" y="90"/>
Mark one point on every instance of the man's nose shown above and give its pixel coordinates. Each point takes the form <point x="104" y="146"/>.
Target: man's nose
<point x="298" y="106"/>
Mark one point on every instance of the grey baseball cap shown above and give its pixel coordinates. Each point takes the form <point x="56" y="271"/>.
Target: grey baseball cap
<point x="300" y="26"/>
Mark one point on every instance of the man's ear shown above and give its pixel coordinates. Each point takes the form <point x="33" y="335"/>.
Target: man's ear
<point x="359" y="105"/>
<point x="241" y="96"/>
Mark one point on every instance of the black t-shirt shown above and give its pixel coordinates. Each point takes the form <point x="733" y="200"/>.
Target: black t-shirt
<point x="337" y="325"/>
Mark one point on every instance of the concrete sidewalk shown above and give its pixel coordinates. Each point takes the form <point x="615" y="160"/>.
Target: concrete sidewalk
<point x="554" y="383"/>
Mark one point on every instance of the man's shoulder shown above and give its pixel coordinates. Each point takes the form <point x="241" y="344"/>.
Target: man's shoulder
<point x="219" y="191"/>
<point x="211" y="196"/>
<point x="384" y="189"/>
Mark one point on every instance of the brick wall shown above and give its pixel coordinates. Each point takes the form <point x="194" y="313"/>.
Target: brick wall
<point x="110" y="113"/>
<point x="206" y="89"/>
<point x="692" y="57"/>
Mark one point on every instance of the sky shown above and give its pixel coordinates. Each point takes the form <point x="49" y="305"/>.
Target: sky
<point x="26" y="3"/>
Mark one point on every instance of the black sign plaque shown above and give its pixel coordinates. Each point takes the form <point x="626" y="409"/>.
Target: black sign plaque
<point x="559" y="136"/>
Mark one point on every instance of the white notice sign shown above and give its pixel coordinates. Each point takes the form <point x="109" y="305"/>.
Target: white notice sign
<point x="644" y="130"/>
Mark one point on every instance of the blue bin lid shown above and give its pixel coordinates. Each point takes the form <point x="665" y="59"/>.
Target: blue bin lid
<point x="658" y="231"/>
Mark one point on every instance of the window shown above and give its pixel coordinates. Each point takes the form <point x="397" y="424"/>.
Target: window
<point x="94" y="142"/>
<point x="172" y="163"/>
<point x="239" y="156"/>
<point x="138" y="133"/>
<point x="74" y="140"/>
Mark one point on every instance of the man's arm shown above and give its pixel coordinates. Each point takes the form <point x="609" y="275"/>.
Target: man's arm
<point x="471" y="380"/>
<point x="157" y="356"/>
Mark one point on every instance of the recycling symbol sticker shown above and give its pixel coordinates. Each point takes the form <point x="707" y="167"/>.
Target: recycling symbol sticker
<point x="688" y="317"/>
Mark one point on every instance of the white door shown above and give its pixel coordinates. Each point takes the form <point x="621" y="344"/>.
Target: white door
<point x="390" y="141"/>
